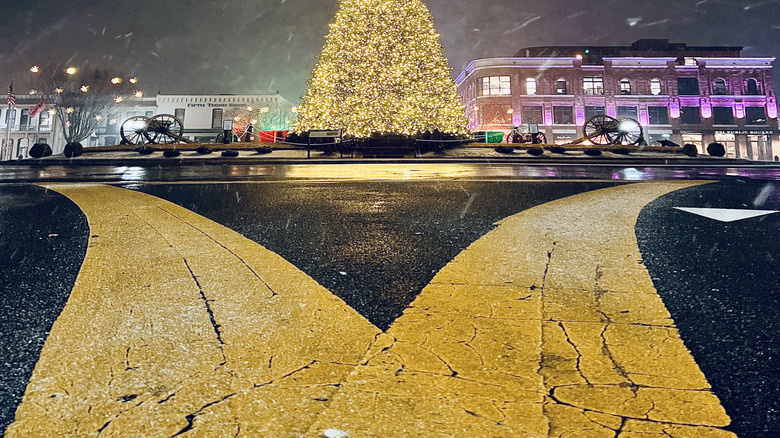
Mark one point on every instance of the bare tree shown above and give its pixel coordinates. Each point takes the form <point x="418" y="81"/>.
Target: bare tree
<point x="82" y="98"/>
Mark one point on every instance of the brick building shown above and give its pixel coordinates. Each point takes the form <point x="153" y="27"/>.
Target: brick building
<point x="679" y="93"/>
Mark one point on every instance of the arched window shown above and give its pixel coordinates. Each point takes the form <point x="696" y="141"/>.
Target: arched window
<point x="530" y="86"/>
<point x="560" y="86"/>
<point x="625" y="86"/>
<point x="752" y="87"/>
<point x="655" y="86"/>
<point x="719" y="87"/>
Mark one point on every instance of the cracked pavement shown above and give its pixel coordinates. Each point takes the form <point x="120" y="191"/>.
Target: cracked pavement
<point x="548" y="326"/>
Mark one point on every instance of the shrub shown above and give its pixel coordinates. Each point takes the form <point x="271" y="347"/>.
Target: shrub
<point x="230" y="153"/>
<point x="39" y="150"/>
<point x="505" y="149"/>
<point x="73" y="150"/>
<point x="203" y="150"/>
<point x="145" y="150"/>
<point x="535" y="151"/>
<point x="690" y="150"/>
<point x="716" y="150"/>
<point x="593" y="152"/>
<point x="557" y="149"/>
<point x="264" y="150"/>
<point x="621" y="151"/>
<point x="170" y="153"/>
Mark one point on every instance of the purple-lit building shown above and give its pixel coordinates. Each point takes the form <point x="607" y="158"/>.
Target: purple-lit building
<point x="679" y="93"/>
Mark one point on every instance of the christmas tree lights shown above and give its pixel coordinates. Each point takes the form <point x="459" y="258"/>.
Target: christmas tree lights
<point x="382" y="70"/>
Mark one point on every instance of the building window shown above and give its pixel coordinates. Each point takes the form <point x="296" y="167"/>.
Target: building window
<point x="563" y="115"/>
<point x="625" y="86"/>
<point x="690" y="115"/>
<point x="722" y="115"/>
<point x="532" y="114"/>
<point x="560" y="86"/>
<point x="690" y="61"/>
<point x="592" y="85"/>
<point x="179" y="113"/>
<point x="530" y="86"/>
<point x="24" y="120"/>
<point x="688" y="86"/>
<point x="752" y="87"/>
<point x="658" y="115"/>
<point x="591" y="111"/>
<point x="655" y="86"/>
<point x="720" y="88"/>
<point x="496" y="86"/>
<point x="627" y="111"/>
<point x="216" y="118"/>
<point x="755" y="115"/>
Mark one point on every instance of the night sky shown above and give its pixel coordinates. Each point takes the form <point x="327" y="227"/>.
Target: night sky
<point x="251" y="46"/>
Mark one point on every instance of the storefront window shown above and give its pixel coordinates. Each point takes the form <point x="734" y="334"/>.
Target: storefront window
<point x="563" y="115"/>
<point x="729" y="142"/>
<point x="694" y="139"/>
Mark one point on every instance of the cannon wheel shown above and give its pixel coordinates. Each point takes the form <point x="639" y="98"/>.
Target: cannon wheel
<point x="629" y="131"/>
<point x="132" y="130"/>
<point x="602" y="130"/>
<point x="164" y="129"/>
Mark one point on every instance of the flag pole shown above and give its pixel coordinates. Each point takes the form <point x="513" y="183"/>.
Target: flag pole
<point x="8" y="120"/>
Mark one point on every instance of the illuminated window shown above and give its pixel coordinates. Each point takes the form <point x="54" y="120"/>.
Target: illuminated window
<point x="720" y="87"/>
<point x="560" y="86"/>
<point x="625" y="86"/>
<point x="690" y="61"/>
<point x="655" y="86"/>
<point x="496" y="86"/>
<point x="752" y="87"/>
<point x="592" y="85"/>
<point x="530" y="86"/>
<point x="658" y="115"/>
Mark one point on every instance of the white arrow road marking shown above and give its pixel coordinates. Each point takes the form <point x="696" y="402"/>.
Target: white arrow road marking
<point x="726" y="214"/>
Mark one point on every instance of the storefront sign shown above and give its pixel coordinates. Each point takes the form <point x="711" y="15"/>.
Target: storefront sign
<point x="748" y="132"/>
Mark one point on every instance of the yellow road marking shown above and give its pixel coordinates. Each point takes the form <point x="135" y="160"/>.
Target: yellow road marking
<point x="548" y="326"/>
<point x="176" y="321"/>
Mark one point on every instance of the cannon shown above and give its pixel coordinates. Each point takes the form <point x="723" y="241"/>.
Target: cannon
<point x="605" y="130"/>
<point x="159" y="129"/>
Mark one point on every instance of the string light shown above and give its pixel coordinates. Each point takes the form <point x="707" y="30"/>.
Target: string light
<point x="382" y="70"/>
<point x="35" y="69"/>
<point x="139" y="94"/>
<point x="71" y="70"/>
<point x="116" y="81"/>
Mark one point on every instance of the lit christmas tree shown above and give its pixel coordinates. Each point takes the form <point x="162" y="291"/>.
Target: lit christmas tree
<point x="382" y="71"/>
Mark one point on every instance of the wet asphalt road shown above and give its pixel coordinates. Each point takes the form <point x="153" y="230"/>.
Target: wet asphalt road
<point x="43" y="239"/>
<point x="721" y="283"/>
<point x="376" y="244"/>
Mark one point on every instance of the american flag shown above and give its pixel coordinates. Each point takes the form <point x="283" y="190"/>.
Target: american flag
<point x="11" y="98"/>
